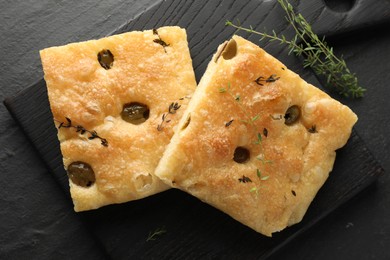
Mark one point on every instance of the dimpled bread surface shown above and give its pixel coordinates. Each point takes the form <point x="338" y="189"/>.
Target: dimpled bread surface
<point x="91" y="96"/>
<point x="242" y="101"/>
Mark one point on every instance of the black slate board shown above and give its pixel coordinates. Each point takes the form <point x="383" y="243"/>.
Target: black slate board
<point x="196" y="230"/>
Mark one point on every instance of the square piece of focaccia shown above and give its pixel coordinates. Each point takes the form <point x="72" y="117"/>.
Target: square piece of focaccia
<point x="256" y="141"/>
<point x="116" y="101"/>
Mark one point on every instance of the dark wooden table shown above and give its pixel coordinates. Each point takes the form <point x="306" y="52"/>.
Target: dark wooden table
<point x="37" y="220"/>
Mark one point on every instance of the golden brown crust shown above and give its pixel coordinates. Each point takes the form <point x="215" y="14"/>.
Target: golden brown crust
<point x="297" y="158"/>
<point x="81" y="89"/>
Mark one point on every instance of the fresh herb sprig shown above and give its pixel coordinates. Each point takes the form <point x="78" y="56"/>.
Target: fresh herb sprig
<point x="156" y="233"/>
<point x="318" y="55"/>
<point x="172" y="108"/>
<point x="261" y="80"/>
<point x="80" y="129"/>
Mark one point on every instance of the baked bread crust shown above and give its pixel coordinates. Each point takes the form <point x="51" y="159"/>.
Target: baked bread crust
<point x="82" y="90"/>
<point x="286" y="168"/>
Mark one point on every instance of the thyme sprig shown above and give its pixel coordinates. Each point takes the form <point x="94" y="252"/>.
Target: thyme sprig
<point x="255" y="189"/>
<point x="261" y="80"/>
<point x="172" y="108"/>
<point x="80" y="129"/>
<point x="318" y="55"/>
<point x="156" y="233"/>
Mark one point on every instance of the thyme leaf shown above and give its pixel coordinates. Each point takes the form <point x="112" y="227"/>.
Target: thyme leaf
<point x="80" y="129"/>
<point x="262" y="178"/>
<point x="265" y="132"/>
<point x="229" y="123"/>
<point x="259" y="139"/>
<point x="254" y="190"/>
<point x="312" y="129"/>
<point x="255" y="118"/>
<point x="318" y="55"/>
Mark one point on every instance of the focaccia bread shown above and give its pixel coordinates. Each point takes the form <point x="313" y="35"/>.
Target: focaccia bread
<point x="256" y="141"/>
<point x="116" y="102"/>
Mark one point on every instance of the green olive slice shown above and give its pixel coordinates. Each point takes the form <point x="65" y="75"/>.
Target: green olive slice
<point x="187" y="122"/>
<point x="292" y="115"/>
<point x="81" y="174"/>
<point x="230" y="51"/>
<point x="241" y="155"/>
<point x="106" y="59"/>
<point x="135" y="113"/>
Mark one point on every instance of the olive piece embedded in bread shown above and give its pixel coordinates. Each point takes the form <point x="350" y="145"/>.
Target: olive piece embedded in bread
<point x="241" y="155"/>
<point x="187" y="122"/>
<point x="292" y="115"/>
<point x="81" y="174"/>
<point x="230" y="50"/>
<point x="106" y="59"/>
<point x="135" y="113"/>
